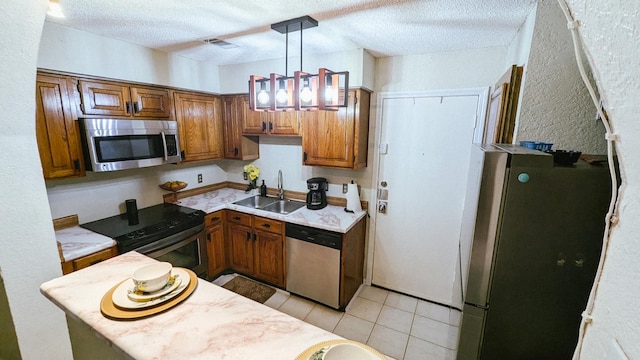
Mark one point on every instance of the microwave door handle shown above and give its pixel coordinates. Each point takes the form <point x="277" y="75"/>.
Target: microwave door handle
<point x="164" y="146"/>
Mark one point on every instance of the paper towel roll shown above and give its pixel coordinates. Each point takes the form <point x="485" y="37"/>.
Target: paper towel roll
<point x="353" y="198"/>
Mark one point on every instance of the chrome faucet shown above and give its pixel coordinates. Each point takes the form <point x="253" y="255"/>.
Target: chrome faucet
<point x="280" y="186"/>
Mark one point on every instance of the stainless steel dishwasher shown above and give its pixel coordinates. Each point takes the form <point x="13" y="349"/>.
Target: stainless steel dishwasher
<point x="313" y="263"/>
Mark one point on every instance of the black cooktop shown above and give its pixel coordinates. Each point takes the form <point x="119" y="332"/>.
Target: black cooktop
<point x="155" y="222"/>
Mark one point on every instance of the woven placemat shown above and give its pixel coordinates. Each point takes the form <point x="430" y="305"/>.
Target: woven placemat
<point x="306" y="355"/>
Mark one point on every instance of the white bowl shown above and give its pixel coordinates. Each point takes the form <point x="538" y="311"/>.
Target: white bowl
<point x="348" y="352"/>
<point x="152" y="277"/>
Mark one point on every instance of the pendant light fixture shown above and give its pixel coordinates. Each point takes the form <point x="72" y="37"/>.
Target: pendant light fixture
<point x="302" y="91"/>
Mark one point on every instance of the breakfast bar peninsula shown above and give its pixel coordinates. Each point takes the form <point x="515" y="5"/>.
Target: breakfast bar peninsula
<point x="212" y="323"/>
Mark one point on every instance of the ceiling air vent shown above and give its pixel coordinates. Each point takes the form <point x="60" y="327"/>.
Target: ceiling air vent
<point x="221" y="43"/>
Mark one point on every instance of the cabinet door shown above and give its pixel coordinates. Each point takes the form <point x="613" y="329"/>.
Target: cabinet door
<point x="102" y="98"/>
<point x="337" y="138"/>
<point x="241" y="252"/>
<point x="269" y="257"/>
<point x="57" y="131"/>
<point x="150" y="102"/>
<point x="253" y="122"/>
<point x="237" y="146"/>
<point x="284" y="123"/>
<point x="200" y="126"/>
<point x="215" y="249"/>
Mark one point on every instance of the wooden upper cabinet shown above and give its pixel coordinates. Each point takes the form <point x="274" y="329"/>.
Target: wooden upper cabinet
<point x="120" y="99"/>
<point x="200" y="126"/>
<point x="237" y="146"/>
<point x="252" y="122"/>
<point x="281" y="123"/>
<point x="57" y="131"/>
<point x="337" y="138"/>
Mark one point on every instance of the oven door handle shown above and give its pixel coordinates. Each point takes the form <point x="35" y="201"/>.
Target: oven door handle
<point x="170" y="243"/>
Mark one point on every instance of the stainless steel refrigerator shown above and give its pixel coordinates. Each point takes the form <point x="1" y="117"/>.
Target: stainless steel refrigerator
<point x="535" y="251"/>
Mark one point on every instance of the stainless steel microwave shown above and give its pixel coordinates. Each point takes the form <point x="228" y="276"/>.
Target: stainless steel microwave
<point x="118" y="144"/>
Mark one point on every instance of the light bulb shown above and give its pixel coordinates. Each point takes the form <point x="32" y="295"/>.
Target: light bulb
<point x="282" y="96"/>
<point x="55" y="10"/>
<point x="263" y="97"/>
<point x="305" y="94"/>
<point x="328" y="94"/>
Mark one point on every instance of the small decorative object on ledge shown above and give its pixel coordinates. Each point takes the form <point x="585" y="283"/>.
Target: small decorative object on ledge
<point x="174" y="186"/>
<point x="251" y="173"/>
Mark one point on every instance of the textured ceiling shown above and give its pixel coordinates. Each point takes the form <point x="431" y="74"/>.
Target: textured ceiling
<point x="383" y="27"/>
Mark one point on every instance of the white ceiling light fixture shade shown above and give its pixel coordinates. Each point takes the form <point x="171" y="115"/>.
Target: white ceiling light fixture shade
<point x="303" y="91"/>
<point x="55" y="9"/>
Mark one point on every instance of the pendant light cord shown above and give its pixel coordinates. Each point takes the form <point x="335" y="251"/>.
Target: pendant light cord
<point x="286" y="53"/>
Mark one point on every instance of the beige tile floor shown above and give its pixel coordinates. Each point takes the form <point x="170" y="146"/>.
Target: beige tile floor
<point x="400" y="326"/>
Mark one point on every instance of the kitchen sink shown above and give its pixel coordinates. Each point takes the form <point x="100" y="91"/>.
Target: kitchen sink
<point x="256" y="202"/>
<point x="283" y="206"/>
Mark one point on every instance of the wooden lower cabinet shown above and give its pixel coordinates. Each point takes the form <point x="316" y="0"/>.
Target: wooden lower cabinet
<point x="352" y="262"/>
<point x="88" y="260"/>
<point x="256" y="247"/>
<point x="216" y="256"/>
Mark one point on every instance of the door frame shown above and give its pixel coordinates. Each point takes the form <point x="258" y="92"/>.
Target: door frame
<point x="481" y="113"/>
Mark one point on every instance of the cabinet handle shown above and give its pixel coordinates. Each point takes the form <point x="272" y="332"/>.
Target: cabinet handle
<point x="236" y="218"/>
<point x="304" y="157"/>
<point x="128" y="106"/>
<point x="235" y="151"/>
<point x="248" y="235"/>
<point x="209" y="237"/>
<point x="182" y="155"/>
<point x="270" y="126"/>
<point x="76" y="164"/>
<point x="266" y="225"/>
<point x="264" y="126"/>
<point x="136" y="107"/>
<point x="215" y="219"/>
<point x="254" y="237"/>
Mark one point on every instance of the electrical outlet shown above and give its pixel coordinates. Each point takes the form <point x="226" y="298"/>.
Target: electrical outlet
<point x="199" y="178"/>
<point x="344" y="188"/>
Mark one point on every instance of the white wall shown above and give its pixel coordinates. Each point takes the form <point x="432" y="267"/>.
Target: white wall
<point x="67" y="49"/>
<point x="555" y="106"/>
<point x="29" y="255"/>
<point x="610" y="33"/>
<point x="446" y="70"/>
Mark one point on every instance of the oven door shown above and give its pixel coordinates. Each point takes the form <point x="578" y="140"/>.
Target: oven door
<point x="185" y="249"/>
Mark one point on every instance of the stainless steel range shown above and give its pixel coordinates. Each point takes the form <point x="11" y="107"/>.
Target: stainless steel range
<point x="166" y="232"/>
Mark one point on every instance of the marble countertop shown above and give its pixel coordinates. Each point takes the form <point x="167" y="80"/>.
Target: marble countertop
<point x="213" y="323"/>
<point x="77" y="242"/>
<point x="332" y="218"/>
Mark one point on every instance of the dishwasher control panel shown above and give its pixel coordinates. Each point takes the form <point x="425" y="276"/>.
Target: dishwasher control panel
<point x="314" y="235"/>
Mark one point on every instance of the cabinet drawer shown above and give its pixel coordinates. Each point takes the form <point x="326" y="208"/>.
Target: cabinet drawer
<point x="264" y="224"/>
<point x="214" y="218"/>
<point x="238" y="218"/>
<point x="94" y="258"/>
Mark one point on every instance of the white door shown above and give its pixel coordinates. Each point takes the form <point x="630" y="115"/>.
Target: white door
<point x="424" y="170"/>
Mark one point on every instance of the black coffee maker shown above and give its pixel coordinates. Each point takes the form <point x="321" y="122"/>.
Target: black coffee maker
<point x="317" y="195"/>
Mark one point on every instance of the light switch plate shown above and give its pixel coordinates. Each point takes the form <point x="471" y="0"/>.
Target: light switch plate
<point x="344" y="188"/>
